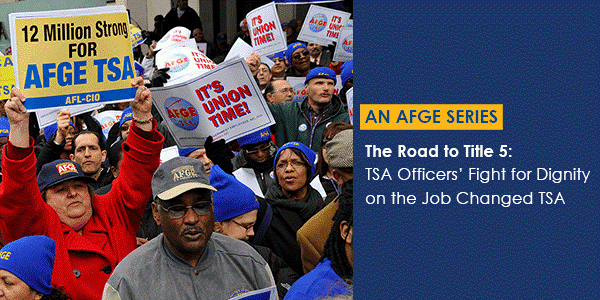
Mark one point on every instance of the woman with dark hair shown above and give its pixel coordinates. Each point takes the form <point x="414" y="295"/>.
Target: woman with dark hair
<point x="335" y="271"/>
<point x="26" y="269"/>
<point x="329" y="185"/>
<point x="291" y="202"/>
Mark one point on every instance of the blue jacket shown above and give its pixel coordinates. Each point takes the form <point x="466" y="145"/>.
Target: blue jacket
<point x="321" y="282"/>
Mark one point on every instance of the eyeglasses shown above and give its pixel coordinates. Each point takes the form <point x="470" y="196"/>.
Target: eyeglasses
<point x="297" y="55"/>
<point x="247" y="227"/>
<point x="265" y="148"/>
<point x="177" y="211"/>
<point x="295" y="164"/>
<point x="277" y="60"/>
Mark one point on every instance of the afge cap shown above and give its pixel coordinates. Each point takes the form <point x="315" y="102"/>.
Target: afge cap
<point x="177" y="176"/>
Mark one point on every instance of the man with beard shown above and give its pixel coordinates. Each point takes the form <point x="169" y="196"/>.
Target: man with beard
<point x="198" y="263"/>
<point x="253" y="165"/>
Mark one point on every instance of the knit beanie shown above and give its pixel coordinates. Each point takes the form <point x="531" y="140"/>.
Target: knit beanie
<point x="232" y="197"/>
<point x="347" y="71"/>
<point x="309" y="155"/>
<point x="291" y="48"/>
<point x="256" y="137"/>
<point x="186" y="151"/>
<point x="126" y="116"/>
<point x="4" y="126"/>
<point x="30" y="258"/>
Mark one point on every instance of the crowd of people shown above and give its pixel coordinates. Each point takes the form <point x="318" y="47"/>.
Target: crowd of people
<point x="84" y="215"/>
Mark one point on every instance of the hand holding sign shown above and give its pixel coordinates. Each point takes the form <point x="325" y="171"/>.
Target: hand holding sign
<point x="142" y="105"/>
<point x="253" y="62"/>
<point x="18" y="117"/>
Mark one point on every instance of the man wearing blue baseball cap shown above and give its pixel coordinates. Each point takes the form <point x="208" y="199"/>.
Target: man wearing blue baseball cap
<point x="92" y="233"/>
<point x="278" y="69"/>
<point x="306" y="121"/>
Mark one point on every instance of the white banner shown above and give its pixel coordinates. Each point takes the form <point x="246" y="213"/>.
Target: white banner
<point x="344" y="46"/>
<point x="107" y="119"/>
<point x="242" y="49"/>
<point x="175" y="35"/>
<point x="224" y="103"/>
<point x="184" y="61"/>
<point x="265" y="30"/>
<point x="47" y="116"/>
<point x="323" y="24"/>
<point x="168" y="153"/>
<point x="202" y="47"/>
<point x="350" y="99"/>
<point x="297" y="84"/>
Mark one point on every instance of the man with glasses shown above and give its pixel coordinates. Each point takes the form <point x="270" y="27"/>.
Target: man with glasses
<point x="298" y="58"/>
<point x="253" y="165"/>
<point x="279" y="91"/>
<point x="193" y="262"/>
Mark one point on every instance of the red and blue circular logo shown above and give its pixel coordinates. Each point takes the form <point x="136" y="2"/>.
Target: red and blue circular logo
<point x="177" y="62"/>
<point x="347" y="44"/>
<point x="317" y="23"/>
<point x="182" y="113"/>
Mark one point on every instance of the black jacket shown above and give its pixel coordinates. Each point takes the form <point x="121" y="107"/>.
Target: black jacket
<point x="288" y="216"/>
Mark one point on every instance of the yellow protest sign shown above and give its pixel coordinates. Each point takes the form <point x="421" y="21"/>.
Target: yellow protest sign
<point x="84" y="56"/>
<point x="7" y="76"/>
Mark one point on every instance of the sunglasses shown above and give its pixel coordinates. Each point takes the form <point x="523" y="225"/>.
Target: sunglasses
<point x="298" y="55"/>
<point x="265" y="148"/>
<point x="177" y="211"/>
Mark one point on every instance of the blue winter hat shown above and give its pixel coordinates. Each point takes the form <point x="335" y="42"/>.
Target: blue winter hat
<point x="291" y="48"/>
<point x="310" y="155"/>
<point x="347" y="71"/>
<point x="30" y="258"/>
<point x="51" y="130"/>
<point x="321" y="72"/>
<point x="232" y="197"/>
<point x="186" y="151"/>
<point x="126" y="116"/>
<point x="4" y="126"/>
<point x="277" y="55"/>
<point x="260" y="136"/>
<point x="59" y="171"/>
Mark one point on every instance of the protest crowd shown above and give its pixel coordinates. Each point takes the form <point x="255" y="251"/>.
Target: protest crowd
<point x="114" y="202"/>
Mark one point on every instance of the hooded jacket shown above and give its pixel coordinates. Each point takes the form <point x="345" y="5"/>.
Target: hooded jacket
<point x="293" y="122"/>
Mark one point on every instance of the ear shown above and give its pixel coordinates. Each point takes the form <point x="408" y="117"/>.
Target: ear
<point x="114" y="171"/>
<point x="38" y="296"/>
<point x="103" y="155"/>
<point x="72" y="157"/>
<point x="336" y="175"/>
<point x="269" y="97"/>
<point x="346" y="232"/>
<point x="156" y="213"/>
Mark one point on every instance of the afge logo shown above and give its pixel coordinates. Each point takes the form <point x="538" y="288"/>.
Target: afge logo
<point x="66" y="167"/>
<point x="302" y="127"/>
<point x="347" y="44"/>
<point x="5" y="131"/>
<point x="262" y="133"/>
<point x="238" y="293"/>
<point x="177" y="62"/>
<point x="317" y="23"/>
<point x="182" y="113"/>
<point x="183" y="173"/>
